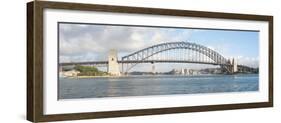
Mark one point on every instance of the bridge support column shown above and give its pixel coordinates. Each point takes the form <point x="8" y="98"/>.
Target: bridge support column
<point x="234" y="65"/>
<point x="153" y="68"/>
<point x="113" y="66"/>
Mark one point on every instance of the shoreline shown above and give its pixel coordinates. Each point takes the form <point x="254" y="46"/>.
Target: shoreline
<point x="121" y="76"/>
<point x="85" y="77"/>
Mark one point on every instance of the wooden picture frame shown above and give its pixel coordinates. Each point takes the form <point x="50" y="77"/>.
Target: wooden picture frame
<point x="35" y="62"/>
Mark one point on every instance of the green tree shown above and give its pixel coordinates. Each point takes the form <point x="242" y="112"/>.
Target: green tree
<point x="89" y="71"/>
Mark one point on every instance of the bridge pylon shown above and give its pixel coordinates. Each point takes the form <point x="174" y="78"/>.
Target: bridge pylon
<point x="232" y="66"/>
<point x="113" y="66"/>
<point x="153" y="68"/>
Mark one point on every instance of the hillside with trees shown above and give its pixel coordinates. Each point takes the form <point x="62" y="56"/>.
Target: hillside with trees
<point x="89" y="71"/>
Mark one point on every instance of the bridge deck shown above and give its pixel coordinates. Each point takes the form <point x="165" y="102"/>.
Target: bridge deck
<point x="136" y="61"/>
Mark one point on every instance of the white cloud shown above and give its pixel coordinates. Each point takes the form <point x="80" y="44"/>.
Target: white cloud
<point x="249" y="61"/>
<point x="79" y="40"/>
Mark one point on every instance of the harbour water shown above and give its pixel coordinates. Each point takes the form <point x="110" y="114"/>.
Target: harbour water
<point x="74" y="88"/>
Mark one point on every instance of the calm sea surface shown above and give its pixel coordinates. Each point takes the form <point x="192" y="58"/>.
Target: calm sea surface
<point x="155" y="85"/>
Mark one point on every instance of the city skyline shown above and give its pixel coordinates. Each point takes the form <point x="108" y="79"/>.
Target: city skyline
<point x="85" y="42"/>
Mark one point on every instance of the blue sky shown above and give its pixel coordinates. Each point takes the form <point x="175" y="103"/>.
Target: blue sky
<point x="229" y="43"/>
<point x="84" y="42"/>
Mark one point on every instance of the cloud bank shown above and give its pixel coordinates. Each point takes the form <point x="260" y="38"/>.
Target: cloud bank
<point x="84" y="42"/>
<point x="92" y="42"/>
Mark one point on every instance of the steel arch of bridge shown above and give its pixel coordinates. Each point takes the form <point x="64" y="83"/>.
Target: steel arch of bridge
<point x="144" y="54"/>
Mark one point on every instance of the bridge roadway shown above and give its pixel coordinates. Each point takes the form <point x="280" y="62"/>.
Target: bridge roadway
<point x="137" y="61"/>
<point x="146" y="56"/>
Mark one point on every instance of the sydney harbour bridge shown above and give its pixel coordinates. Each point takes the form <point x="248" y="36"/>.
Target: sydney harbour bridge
<point x="170" y="52"/>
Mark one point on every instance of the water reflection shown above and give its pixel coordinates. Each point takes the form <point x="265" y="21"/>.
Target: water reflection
<point x="155" y="85"/>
